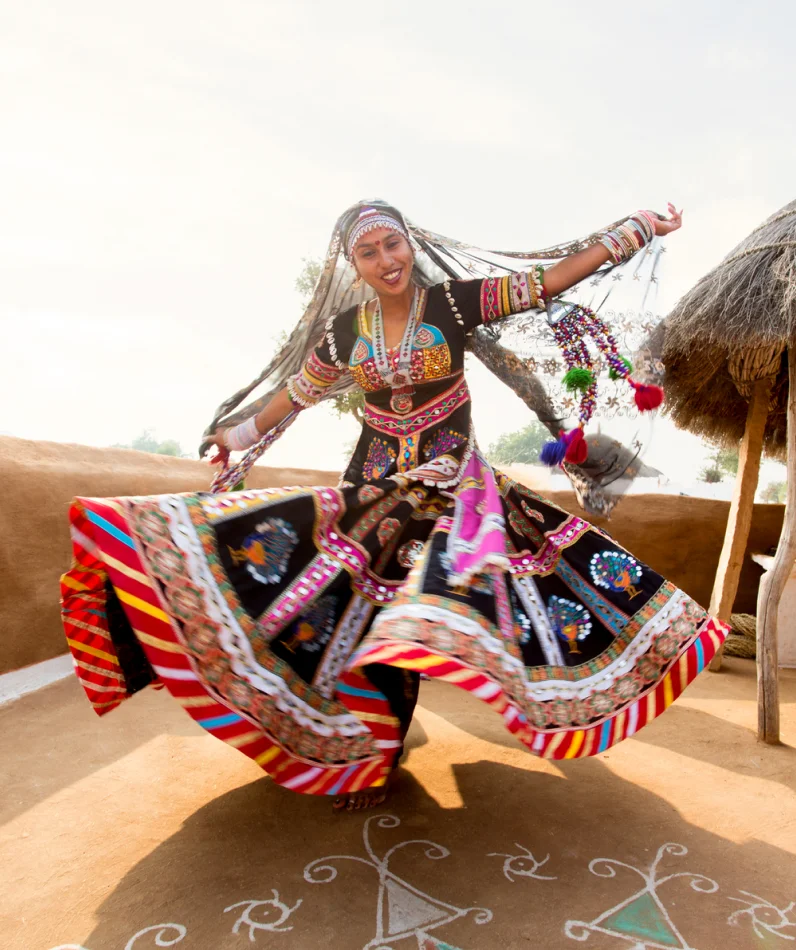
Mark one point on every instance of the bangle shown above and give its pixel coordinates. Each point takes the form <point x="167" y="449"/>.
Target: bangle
<point x="642" y="234"/>
<point x="628" y="238"/>
<point x="243" y="436"/>
<point x="642" y="221"/>
<point x="612" y="245"/>
<point x="642" y="227"/>
<point x="650" y="219"/>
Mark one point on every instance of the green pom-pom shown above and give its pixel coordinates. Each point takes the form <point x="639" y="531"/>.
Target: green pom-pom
<point x="578" y="380"/>
<point x="612" y="373"/>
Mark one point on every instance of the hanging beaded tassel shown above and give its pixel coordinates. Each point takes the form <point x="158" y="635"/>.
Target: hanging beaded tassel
<point x="571" y="332"/>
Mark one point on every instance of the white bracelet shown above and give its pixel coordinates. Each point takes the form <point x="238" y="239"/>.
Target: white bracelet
<point x="243" y="436"/>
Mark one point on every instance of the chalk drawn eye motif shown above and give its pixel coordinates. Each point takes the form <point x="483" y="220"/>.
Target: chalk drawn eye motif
<point x="522" y="865"/>
<point x="275" y="907"/>
<point x="765" y="916"/>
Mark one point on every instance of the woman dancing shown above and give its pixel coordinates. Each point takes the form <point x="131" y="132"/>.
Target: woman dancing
<point x="294" y="623"/>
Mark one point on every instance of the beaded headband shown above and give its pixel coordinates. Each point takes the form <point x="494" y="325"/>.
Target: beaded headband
<point x="369" y="219"/>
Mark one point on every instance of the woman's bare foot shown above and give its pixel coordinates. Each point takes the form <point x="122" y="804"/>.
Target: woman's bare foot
<point x="359" y="801"/>
<point x="369" y="797"/>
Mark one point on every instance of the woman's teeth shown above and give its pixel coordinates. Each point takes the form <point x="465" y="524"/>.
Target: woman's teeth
<point x="392" y="277"/>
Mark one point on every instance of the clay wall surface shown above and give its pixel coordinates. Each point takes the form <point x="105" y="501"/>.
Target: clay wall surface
<point x="680" y="537"/>
<point x="39" y="480"/>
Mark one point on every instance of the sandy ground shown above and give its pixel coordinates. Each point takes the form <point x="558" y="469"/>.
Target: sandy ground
<point x="112" y="826"/>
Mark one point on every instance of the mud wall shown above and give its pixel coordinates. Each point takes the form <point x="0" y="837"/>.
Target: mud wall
<point x="680" y="537"/>
<point x="39" y="480"/>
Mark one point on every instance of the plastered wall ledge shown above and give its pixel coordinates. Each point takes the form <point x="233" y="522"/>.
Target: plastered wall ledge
<point x="31" y="678"/>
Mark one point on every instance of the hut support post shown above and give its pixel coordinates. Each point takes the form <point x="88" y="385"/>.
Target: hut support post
<point x="773" y="584"/>
<point x="739" y="522"/>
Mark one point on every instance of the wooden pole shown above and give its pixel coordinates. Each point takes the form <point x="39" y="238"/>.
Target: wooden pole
<point x="736" y="536"/>
<point x="773" y="584"/>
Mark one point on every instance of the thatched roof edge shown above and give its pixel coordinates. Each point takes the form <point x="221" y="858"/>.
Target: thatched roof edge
<point x="747" y="301"/>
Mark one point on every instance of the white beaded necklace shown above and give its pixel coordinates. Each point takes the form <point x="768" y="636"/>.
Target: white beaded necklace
<point x="400" y="379"/>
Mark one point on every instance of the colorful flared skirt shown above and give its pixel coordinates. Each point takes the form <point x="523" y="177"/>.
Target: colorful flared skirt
<point x="293" y="623"/>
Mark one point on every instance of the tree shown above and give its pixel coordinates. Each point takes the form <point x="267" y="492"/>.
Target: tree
<point x="523" y="446"/>
<point x="148" y="442"/>
<point x="722" y="462"/>
<point x="308" y="277"/>
<point x="774" y="493"/>
<point x="727" y="461"/>
<point x="352" y="403"/>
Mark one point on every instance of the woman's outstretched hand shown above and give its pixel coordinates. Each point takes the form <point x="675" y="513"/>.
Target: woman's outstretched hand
<point x="667" y="225"/>
<point x="215" y="444"/>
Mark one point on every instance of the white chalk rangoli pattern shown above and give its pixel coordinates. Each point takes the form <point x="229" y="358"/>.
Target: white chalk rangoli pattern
<point x="274" y="926"/>
<point x="522" y="865"/>
<point x="766" y="917"/>
<point x="642" y="919"/>
<point x="159" y="930"/>
<point x="402" y="910"/>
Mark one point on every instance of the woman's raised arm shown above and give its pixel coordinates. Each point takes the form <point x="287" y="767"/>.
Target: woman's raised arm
<point x="577" y="267"/>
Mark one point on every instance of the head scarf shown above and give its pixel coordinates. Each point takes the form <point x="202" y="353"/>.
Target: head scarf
<point x="438" y="258"/>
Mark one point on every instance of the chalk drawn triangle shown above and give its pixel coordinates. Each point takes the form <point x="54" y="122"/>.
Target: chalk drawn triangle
<point x="408" y="911"/>
<point x="642" y="918"/>
<point x="431" y="943"/>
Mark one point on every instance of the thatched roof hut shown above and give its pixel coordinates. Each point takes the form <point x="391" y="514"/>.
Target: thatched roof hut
<point x="729" y="350"/>
<point x="731" y="330"/>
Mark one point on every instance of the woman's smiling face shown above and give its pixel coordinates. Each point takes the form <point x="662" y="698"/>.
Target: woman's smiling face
<point x="384" y="259"/>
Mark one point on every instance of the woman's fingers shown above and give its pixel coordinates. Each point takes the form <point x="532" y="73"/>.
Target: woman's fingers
<point x="675" y="220"/>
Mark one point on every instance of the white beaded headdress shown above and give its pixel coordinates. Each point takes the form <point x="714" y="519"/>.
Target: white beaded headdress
<point x="370" y="219"/>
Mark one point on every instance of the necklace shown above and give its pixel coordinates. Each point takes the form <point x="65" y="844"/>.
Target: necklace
<point x="398" y="379"/>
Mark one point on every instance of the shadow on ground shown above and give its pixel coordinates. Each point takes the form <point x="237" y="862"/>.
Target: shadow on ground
<point x="60" y="727"/>
<point x="685" y="729"/>
<point x="257" y="838"/>
<point x="112" y="826"/>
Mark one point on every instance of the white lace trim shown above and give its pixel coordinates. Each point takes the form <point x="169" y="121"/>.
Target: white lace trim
<point x="552" y="688"/>
<point x="440" y="614"/>
<point x="605" y="679"/>
<point x="234" y="640"/>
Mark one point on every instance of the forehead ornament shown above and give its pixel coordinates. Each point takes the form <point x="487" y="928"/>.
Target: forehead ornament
<point x="369" y="220"/>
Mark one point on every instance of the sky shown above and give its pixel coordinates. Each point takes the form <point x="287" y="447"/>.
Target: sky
<point x="166" y="166"/>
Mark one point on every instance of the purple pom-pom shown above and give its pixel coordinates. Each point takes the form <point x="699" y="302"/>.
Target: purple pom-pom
<point x="553" y="453"/>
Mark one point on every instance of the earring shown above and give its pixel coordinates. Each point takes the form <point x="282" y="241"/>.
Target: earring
<point x="357" y="282"/>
